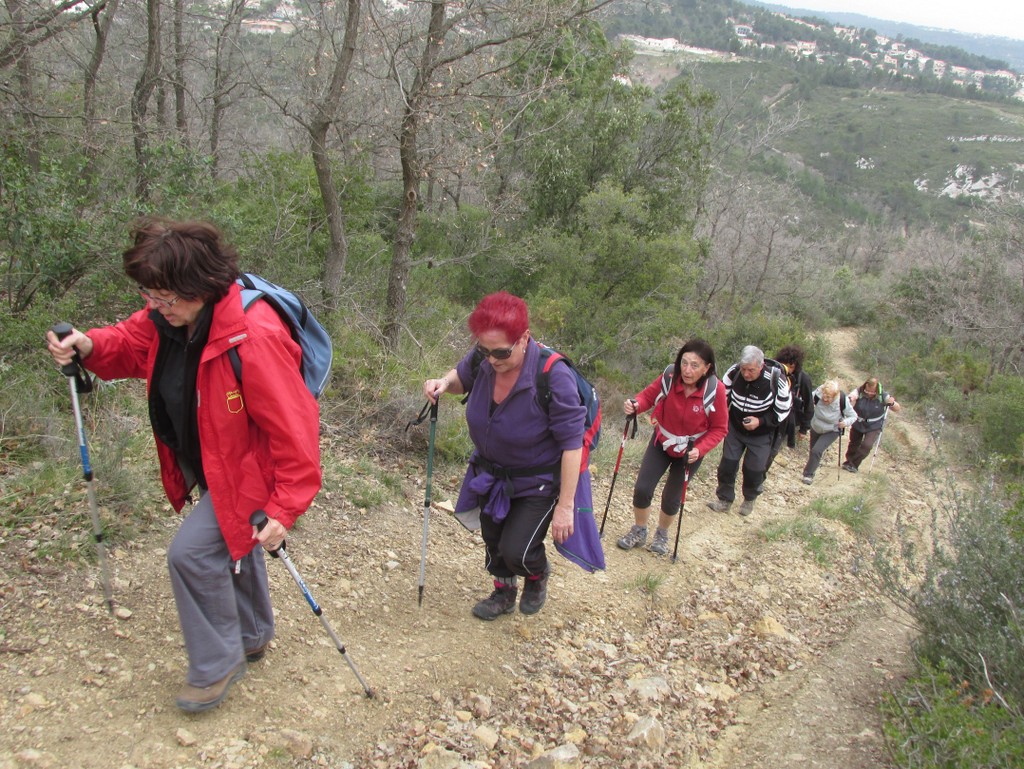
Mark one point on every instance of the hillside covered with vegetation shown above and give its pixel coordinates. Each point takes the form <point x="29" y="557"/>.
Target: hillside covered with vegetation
<point x="394" y="162"/>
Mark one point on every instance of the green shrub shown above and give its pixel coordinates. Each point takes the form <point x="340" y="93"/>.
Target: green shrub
<point x="965" y="592"/>
<point x="938" y="720"/>
<point x="1000" y="414"/>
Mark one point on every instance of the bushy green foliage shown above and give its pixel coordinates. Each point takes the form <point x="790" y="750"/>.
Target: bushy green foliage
<point x="598" y="287"/>
<point x="939" y="721"/>
<point x="1000" y="416"/>
<point x="966" y="592"/>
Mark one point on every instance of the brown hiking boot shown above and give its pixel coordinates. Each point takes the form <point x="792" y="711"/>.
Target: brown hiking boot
<point x="196" y="699"/>
<point x="257" y="653"/>
<point x="501" y="601"/>
<point x="720" y="506"/>
<point x="746" y="507"/>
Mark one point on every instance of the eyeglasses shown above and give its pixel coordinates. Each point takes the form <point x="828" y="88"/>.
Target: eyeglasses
<point x="156" y="301"/>
<point x="500" y="354"/>
<point x="694" y="364"/>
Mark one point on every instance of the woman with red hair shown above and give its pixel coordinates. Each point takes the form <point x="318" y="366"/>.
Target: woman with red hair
<point x="523" y="474"/>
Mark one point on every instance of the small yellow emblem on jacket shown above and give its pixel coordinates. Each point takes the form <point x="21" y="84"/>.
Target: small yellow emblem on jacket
<point x="235" y="402"/>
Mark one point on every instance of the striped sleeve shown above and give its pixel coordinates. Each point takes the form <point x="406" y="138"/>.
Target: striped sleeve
<point x="783" y="398"/>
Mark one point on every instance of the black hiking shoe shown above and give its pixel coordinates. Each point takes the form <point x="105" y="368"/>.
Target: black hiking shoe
<point x="535" y="593"/>
<point x="501" y="601"/>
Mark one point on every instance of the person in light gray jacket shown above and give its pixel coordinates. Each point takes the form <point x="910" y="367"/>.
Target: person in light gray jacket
<point x="833" y="413"/>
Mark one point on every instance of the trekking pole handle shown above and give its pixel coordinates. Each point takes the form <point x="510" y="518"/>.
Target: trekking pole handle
<point x="259" y="520"/>
<point x="61" y="330"/>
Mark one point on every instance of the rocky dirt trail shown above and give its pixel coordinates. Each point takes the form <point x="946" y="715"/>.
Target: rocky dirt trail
<point x="747" y="652"/>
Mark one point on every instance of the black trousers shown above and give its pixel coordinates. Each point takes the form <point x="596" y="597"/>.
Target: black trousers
<point x="515" y="545"/>
<point x="754" y="450"/>
<point x="652" y="468"/>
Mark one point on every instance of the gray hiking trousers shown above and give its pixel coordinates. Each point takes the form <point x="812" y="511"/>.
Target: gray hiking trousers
<point x="221" y="613"/>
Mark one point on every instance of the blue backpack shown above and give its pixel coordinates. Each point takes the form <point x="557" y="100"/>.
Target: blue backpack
<point x="588" y="397"/>
<point x="313" y="338"/>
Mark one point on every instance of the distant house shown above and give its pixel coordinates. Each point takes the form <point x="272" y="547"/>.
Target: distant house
<point x="898" y="47"/>
<point x="743" y="30"/>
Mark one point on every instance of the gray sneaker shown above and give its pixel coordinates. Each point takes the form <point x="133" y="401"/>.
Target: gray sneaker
<point x="660" y="544"/>
<point x="501" y="601"/>
<point x="720" y="506"/>
<point x="808" y="479"/>
<point x="747" y="507"/>
<point x="635" y="537"/>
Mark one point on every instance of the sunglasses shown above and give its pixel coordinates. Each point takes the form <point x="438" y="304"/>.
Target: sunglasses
<point x="156" y="301"/>
<point x="499" y="354"/>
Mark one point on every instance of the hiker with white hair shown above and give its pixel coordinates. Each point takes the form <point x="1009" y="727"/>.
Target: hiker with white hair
<point x="833" y="413"/>
<point x="759" y="401"/>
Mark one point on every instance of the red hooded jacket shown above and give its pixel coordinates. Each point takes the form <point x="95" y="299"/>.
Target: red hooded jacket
<point x="259" y="438"/>
<point x="684" y="415"/>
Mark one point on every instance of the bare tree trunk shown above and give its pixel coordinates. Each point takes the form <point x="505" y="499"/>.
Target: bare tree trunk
<point x="401" y="260"/>
<point x="23" y="77"/>
<point x="180" y="118"/>
<point x="326" y="113"/>
<point x="223" y="77"/>
<point x="140" y="99"/>
<point x="102" y="18"/>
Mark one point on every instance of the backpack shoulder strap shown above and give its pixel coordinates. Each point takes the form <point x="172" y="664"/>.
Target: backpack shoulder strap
<point x="710" y="391"/>
<point x="666" y="383"/>
<point x="249" y="294"/>
<point x="842" y="403"/>
<point x="549" y="358"/>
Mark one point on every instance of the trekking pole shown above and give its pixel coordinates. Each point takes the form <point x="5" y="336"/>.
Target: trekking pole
<point x="259" y="520"/>
<point x="430" y="408"/>
<point x="878" y="440"/>
<point x="682" y="502"/>
<point x="80" y="382"/>
<point x="839" y="459"/>
<point x="622" y="445"/>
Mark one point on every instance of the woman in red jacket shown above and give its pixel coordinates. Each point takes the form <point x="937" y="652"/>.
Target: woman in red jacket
<point x="243" y="446"/>
<point x="681" y="419"/>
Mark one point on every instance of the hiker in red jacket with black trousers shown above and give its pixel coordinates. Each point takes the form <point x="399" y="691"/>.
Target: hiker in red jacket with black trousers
<point x="242" y="447"/>
<point x="690" y="418"/>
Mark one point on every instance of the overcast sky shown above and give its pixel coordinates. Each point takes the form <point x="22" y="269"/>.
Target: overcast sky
<point x="986" y="17"/>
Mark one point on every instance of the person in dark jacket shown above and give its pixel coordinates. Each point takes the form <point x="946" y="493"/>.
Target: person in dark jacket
<point x="523" y="473"/>
<point x="759" y="401"/>
<point x="245" y="447"/>
<point x="681" y="422"/>
<point x="870" y="402"/>
<point x="799" y="420"/>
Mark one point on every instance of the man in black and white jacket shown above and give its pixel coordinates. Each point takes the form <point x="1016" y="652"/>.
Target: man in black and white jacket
<point x="759" y="401"/>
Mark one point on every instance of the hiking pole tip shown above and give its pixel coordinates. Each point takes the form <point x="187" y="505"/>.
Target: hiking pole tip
<point x="259" y="520"/>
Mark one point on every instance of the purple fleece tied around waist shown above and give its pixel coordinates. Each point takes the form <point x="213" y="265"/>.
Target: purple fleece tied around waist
<point x="497" y="505"/>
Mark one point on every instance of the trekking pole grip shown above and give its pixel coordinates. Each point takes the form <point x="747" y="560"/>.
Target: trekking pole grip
<point x="61" y="331"/>
<point x="259" y="520"/>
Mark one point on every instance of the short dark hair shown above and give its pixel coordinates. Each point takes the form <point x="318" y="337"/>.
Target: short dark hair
<point x="189" y="258"/>
<point x="791" y="355"/>
<point x="706" y="353"/>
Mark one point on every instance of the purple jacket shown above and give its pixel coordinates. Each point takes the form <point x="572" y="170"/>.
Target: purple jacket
<point x="520" y="433"/>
